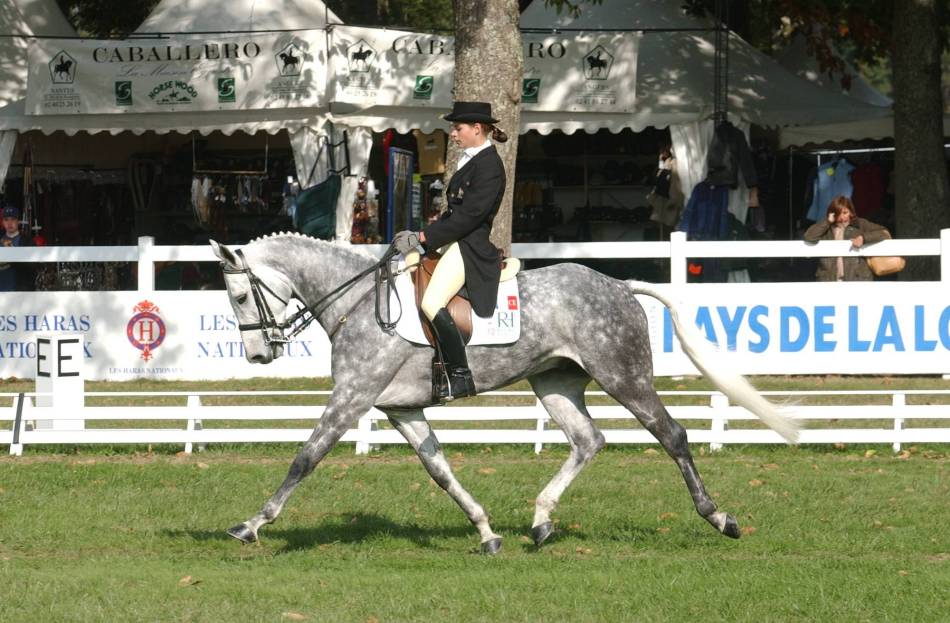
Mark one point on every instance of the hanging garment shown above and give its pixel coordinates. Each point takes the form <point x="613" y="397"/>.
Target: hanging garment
<point x="729" y="154"/>
<point x="868" y="194"/>
<point x="831" y="180"/>
<point x="706" y="216"/>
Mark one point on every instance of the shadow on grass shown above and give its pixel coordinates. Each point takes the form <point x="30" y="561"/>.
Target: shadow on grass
<point x="352" y="528"/>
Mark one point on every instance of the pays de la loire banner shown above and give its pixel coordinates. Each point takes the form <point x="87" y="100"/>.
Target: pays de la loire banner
<point x="809" y="328"/>
<point x="593" y="72"/>
<point x="235" y="72"/>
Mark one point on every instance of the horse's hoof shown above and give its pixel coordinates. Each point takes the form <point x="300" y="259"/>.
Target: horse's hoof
<point x="541" y="533"/>
<point x="731" y="527"/>
<point x="492" y="547"/>
<point x="243" y="533"/>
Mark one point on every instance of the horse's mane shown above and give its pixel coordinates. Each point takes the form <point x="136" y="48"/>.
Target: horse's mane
<point x="356" y="250"/>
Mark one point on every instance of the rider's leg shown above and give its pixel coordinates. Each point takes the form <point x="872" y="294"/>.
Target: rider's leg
<point x="447" y="279"/>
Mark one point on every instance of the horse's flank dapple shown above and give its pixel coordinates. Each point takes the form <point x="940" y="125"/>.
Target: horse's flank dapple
<point x="576" y="325"/>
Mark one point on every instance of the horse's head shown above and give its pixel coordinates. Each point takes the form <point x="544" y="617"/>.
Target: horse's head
<point x="259" y="297"/>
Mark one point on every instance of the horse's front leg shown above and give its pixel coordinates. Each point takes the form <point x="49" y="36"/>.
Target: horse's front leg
<point x="415" y="428"/>
<point x="343" y="409"/>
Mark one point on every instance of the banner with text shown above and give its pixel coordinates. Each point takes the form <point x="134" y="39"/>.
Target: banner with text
<point x="761" y="328"/>
<point x="593" y="72"/>
<point x="178" y="74"/>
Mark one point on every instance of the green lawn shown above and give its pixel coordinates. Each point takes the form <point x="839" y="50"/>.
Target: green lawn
<point x="829" y="535"/>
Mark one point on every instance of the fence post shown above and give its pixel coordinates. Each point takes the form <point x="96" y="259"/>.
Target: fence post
<point x="367" y="424"/>
<point x="194" y="423"/>
<point x="16" y="447"/>
<point x="898" y="401"/>
<point x="678" y="257"/>
<point x="146" y="264"/>
<point x="719" y="425"/>
<point x="539" y="426"/>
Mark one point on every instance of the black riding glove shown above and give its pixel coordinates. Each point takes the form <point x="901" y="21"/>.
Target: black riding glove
<point x="406" y="241"/>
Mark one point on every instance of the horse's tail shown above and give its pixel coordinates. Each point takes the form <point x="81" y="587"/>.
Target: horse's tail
<point x="729" y="382"/>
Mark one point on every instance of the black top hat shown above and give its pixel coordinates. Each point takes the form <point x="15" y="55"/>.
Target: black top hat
<point x="471" y="112"/>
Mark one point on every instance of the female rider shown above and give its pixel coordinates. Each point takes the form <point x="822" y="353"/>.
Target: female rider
<point x="462" y="236"/>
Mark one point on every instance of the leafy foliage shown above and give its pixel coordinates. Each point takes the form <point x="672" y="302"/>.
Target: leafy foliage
<point x="106" y="18"/>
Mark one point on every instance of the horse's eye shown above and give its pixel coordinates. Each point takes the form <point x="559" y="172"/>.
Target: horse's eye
<point x="242" y="299"/>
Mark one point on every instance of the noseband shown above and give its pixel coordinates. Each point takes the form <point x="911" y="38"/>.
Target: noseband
<point x="267" y="322"/>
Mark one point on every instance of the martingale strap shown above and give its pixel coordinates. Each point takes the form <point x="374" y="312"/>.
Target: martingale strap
<point x="308" y="313"/>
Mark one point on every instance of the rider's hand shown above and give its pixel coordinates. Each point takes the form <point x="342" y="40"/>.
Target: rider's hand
<point x="406" y="241"/>
<point x="831" y="218"/>
<point x="857" y="242"/>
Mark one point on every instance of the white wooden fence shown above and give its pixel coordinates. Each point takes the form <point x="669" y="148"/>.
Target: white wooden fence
<point x="677" y="250"/>
<point x="820" y="423"/>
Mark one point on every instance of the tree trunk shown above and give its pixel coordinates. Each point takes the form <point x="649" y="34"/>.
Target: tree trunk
<point x="489" y="68"/>
<point x="920" y="169"/>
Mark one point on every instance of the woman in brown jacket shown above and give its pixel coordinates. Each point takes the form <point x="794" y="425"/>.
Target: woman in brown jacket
<point x="842" y="224"/>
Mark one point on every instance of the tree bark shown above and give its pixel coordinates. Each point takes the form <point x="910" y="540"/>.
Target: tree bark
<point x="489" y="68"/>
<point x="920" y="169"/>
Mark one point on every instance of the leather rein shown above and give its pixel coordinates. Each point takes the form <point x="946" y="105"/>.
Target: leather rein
<point x="267" y="322"/>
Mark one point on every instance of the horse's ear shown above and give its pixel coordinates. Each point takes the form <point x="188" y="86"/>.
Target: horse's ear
<point x="227" y="256"/>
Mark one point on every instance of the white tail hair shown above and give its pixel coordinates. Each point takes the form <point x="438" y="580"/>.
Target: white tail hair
<point x="728" y="381"/>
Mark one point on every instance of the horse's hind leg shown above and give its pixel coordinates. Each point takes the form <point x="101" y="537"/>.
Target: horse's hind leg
<point x="415" y="428"/>
<point x="639" y="396"/>
<point x="561" y="392"/>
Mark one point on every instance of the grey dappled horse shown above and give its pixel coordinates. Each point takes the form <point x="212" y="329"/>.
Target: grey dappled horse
<point x="576" y="325"/>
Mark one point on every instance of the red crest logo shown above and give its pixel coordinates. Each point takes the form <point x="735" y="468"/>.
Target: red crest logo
<point x="512" y="302"/>
<point x="146" y="329"/>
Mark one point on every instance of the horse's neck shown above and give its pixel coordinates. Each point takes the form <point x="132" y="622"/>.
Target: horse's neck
<point x="313" y="267"/>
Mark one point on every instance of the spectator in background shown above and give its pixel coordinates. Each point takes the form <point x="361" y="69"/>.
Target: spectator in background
<point x="841" y="223"/>
<point x="14" y="275"/>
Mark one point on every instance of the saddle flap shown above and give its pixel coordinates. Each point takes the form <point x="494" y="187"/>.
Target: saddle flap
<point x="459" y="307"/>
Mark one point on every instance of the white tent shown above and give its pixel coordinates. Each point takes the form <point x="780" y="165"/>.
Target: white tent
<point x="177" y="16"/>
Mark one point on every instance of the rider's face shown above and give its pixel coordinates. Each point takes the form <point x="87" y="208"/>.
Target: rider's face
<point x="466" y="135"/>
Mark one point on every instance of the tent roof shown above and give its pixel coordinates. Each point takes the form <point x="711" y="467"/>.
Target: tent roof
<point x="675" y="81"/>
<point x="29" y="18"/>
<point x="175" y="16"/>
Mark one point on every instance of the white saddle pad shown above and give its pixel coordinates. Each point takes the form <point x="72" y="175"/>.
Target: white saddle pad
<point x="504" y="326"/>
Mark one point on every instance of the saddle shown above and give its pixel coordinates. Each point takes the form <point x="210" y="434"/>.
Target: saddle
<point x="459" y="307"/>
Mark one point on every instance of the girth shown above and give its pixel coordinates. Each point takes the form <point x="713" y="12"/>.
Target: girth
<point x="459" y="307"/>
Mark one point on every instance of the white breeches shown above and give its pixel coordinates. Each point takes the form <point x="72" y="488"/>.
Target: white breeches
<point x="447" y="279"/>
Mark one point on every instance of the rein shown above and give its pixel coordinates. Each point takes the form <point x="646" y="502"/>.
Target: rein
<point x="308" y="313"/>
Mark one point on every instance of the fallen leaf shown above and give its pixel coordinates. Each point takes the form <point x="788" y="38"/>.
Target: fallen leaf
<point x="903" y="572"/>
<point x="665" y="516"/>
<point x="486" y="470"/>
<point x="575" y="526"/>
<point x="747" y="530"/>
<point x="903" y="456"/>
<point x="651" y="451"/>
<point x="663" y="530"/>
<point x="755" y="482"/>
<point x="526" y="539"/>
<point x="202" y="466"/>
<point x="839" y="446"/>
<point x="583" y="550"/>
<point x="415" y="486"/>
<point x="293" y="616"/>
<point x="188" y="581"/>
<point x="770" y="466"/>
<point x="372" y="619"/>
<point x="869" y="453"/>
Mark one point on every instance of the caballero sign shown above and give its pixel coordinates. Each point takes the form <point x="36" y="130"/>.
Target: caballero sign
<point x="246" y="72"/>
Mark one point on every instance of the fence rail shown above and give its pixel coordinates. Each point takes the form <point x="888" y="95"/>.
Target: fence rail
<point x="28" y="421"/>
<point x="677" y="250"/>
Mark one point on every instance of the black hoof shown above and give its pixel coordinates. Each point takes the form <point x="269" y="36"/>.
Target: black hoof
<point x="541" y="533"/>
<point x="242" y="533"/>
<point x="731" y="529"/>
<point x="492" y="547"/>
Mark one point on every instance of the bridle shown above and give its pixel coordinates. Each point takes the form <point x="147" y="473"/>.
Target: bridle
<point x="267" y="322"/>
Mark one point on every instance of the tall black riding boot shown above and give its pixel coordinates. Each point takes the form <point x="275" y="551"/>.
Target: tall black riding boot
<point x="451" y="377"/>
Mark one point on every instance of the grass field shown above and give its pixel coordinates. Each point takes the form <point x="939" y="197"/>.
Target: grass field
<point x="829" y="534"/>
<point x="112" y="533"/>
